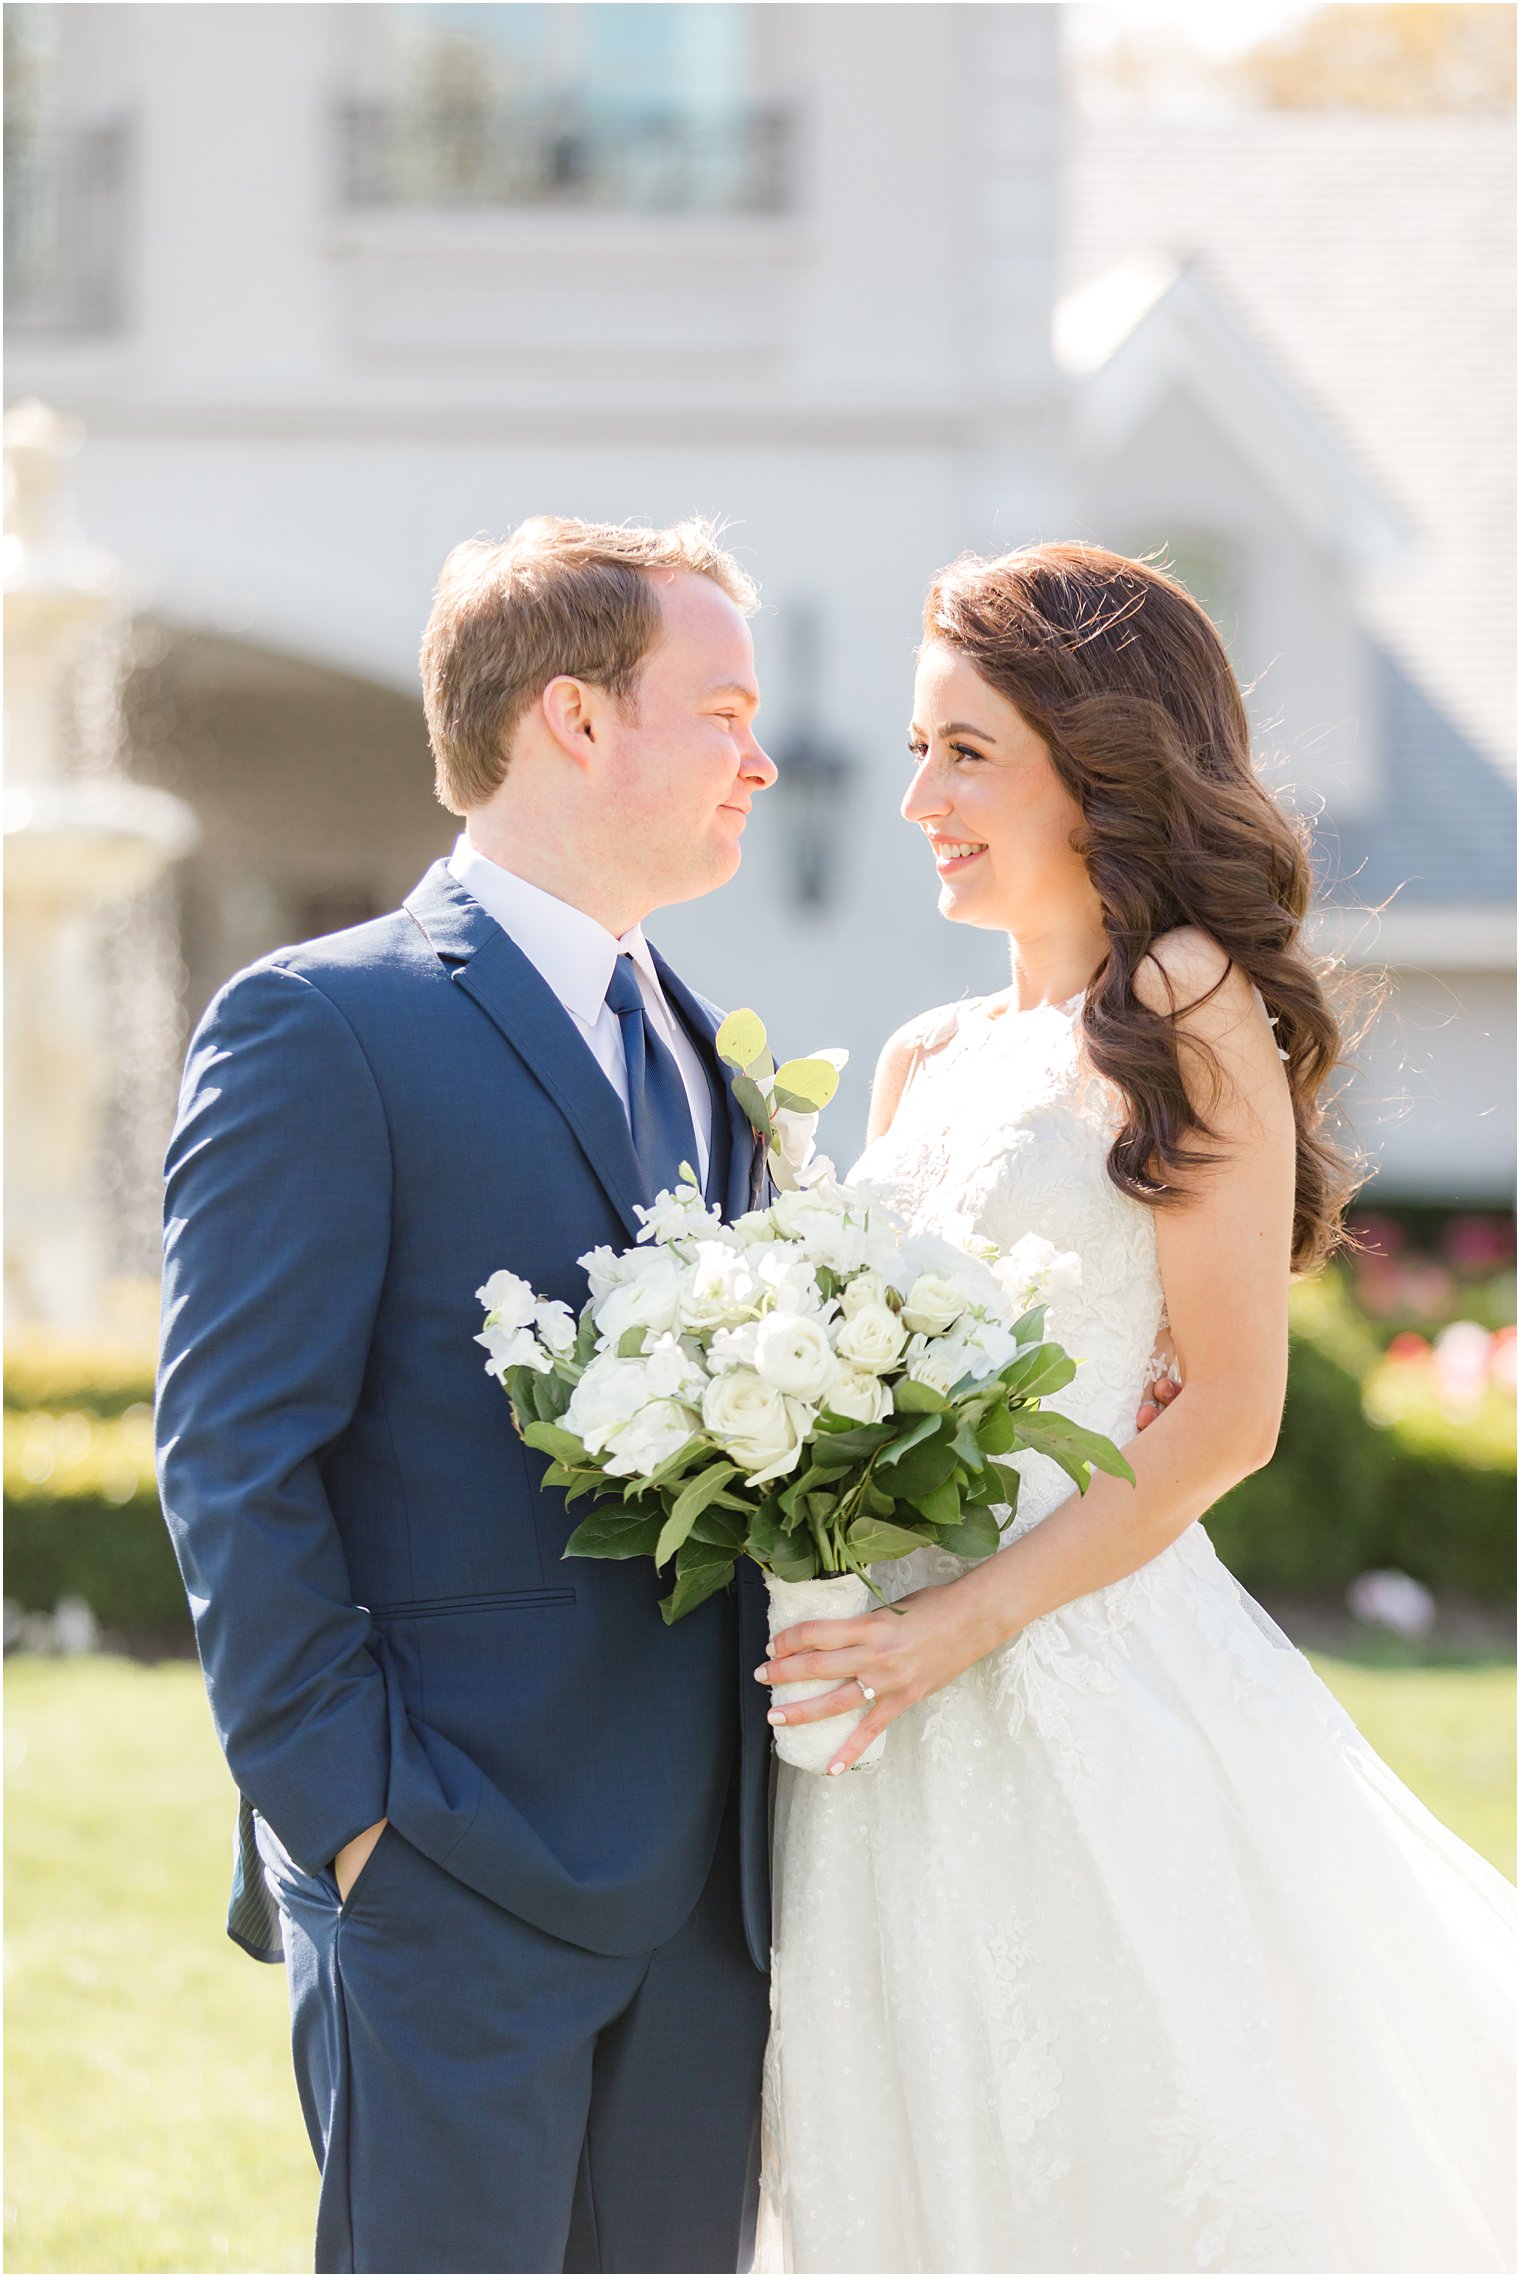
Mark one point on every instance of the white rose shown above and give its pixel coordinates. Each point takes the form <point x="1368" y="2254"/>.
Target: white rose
<point x="752" y="1230"/>
<point x="871" y="1338"/>
<point x="941" y="1362"/>
<point x="792" y="1351"/>
<point x="512" y="1348"/>
<point x="863" y="1398"/>
<point x="648" y="1296"/>
<point x="555" y="1323"/>
<point x="866" y="1289"/>
<point x="658" y="1431"/>
<point x="930" y="1253"/>
<point x="755" y="1423"/>
<point x="720" y="1290"/>
<point x="508" y="1297"/>
<point x="932" y="1305"/>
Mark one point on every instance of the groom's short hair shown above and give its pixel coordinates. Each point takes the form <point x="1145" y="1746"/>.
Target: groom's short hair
<point x="557" y="596"/>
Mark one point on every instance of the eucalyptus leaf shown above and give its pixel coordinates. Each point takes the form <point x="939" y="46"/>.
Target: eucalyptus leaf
<point x="741" y="1039"/>
<point x="752" y="1099"/>
<point x="810" y="1083"/>
<point x="631" y="1344"/>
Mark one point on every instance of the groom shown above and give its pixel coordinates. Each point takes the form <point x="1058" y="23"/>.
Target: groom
<point x="507" y="1830"/>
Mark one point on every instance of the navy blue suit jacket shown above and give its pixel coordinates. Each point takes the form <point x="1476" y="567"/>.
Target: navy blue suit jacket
<point x="369" y="1125"/>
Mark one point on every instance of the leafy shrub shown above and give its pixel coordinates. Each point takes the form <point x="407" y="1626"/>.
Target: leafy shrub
<point x="1420" y="1491"/>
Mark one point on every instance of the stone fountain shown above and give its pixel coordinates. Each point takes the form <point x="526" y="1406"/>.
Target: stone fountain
<point x="84" y="847"/>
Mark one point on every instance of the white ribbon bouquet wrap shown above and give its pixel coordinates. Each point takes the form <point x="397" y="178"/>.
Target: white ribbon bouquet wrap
<point x="809" y="1387"/>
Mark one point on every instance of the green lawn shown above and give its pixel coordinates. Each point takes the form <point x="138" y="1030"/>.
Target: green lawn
<point x="151" y="2116"/>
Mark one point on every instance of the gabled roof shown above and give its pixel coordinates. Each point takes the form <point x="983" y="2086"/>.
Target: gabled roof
<point x="1373" y="258"/>
<point x="1151" y="325"/>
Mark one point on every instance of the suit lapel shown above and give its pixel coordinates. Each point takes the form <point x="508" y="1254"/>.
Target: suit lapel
<point x="493" y="971"/>
<point x="746" y="1175"/>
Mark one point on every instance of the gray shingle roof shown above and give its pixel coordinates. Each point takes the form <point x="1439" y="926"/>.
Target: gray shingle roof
<point x="1443" y="830"/>
<point x="1374" y="258"/>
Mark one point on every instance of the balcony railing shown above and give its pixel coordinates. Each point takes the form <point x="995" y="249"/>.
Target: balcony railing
<point x="641" y="162"/>
<point x="66" y="230"/>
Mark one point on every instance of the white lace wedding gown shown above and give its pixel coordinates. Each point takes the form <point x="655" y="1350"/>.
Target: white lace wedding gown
<point x="1130" y="1954"/>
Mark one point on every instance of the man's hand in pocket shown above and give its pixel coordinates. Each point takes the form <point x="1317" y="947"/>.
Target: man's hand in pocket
<point x="351" y="1858"/>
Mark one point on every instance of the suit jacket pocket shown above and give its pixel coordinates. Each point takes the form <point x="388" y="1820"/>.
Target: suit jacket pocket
<point x="488" y="1601"/>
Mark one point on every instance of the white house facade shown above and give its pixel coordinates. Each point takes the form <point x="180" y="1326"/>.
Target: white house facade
<point x="333" y="286"/>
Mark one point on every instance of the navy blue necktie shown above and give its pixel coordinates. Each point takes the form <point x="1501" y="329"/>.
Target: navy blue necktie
<point x="658" y="1108"/>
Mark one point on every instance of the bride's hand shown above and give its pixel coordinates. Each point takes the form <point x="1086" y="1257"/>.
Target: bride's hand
<point x="927" y="1640"/>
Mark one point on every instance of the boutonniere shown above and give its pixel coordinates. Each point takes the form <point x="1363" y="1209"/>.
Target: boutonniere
<point x="783" y="1103"/>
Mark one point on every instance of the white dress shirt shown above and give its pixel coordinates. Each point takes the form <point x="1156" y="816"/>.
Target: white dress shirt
<point x="575" y="955"/>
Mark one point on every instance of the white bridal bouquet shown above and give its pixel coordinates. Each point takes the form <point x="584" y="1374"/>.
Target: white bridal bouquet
<point x="810" y="1387"/>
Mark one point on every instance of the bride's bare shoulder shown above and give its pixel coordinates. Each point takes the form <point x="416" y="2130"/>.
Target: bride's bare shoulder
<point x="917" y="1039"/>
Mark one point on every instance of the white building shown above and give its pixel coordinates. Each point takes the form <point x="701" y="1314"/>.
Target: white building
<point x="333" y="286"/>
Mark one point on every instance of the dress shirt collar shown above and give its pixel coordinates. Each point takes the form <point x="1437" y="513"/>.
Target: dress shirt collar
<point x="571" y="951"/>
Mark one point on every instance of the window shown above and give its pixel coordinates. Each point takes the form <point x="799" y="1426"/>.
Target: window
<point x="639" y="105"/>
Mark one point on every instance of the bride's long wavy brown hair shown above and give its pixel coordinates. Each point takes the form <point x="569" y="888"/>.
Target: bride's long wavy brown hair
<point x="1124" y="678"/>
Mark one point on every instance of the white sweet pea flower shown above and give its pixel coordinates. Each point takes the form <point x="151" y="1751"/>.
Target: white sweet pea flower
<point x="608" y="1396"/>
<point x="993" y="1344"/>
<point x="756" y="1424"/>
<point x="733" y="1347"/>
<point x="508" y="1299"/>
<point x="941" y="1361"/>
<point x="792" y="1352"/>
<point x="1035" y="1272"/>
<point x="555" y="1323"/>
<point x="933" y="1305"/>
<point x="872" y="1338"/>
<point x="603" y="1269"/>
<point x="720" y="1290"/>
<point x="678" y="1215"/>
<point x="657" y="1432"/>
<point x="787" y="1277"/>
<point x="648" y="1295"/>
<point x="512" y="1348"/>
<point x="863" y="1398"/>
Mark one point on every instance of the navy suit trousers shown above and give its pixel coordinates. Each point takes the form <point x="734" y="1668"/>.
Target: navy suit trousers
<point x="482" y="2096"/>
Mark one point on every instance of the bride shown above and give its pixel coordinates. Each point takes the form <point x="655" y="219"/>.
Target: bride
<point x="1130" y="1954"/>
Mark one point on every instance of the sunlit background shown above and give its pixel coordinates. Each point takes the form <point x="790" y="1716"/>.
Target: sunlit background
<point x="299" y="296"/>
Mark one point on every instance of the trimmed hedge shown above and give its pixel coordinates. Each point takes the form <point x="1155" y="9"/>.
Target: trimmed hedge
<point x="1431" y="1496"/>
